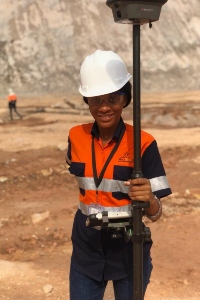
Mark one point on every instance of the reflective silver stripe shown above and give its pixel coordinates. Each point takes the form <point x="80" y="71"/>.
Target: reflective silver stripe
<point x="159" y="183"/>
<point x="106" y="185"/>
<point x="111" y="185"/>
<point x="85" y="208"/>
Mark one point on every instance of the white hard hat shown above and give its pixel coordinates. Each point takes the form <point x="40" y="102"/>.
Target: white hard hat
<point x="102" y="72"/>
<point x="10" y="91"/>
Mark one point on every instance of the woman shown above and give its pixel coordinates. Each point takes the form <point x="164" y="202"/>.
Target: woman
<point x="100" y="155"/>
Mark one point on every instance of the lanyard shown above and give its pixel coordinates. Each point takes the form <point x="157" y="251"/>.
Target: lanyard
<point x="97" y="179"/>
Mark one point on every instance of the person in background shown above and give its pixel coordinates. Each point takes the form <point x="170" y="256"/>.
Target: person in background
<point x="100" y="155"/>
<point x="12" y="101"/>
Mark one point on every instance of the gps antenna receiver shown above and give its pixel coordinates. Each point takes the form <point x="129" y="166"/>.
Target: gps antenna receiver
<point x="137" y="13"/>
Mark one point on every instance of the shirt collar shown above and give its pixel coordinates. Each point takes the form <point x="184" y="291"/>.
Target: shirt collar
<point x="95" y="130"/>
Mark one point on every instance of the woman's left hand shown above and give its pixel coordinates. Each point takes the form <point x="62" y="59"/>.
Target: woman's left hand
<point x="140" y="189"/>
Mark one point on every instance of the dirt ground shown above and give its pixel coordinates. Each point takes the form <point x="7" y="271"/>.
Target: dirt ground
<point x="38" y="196"/>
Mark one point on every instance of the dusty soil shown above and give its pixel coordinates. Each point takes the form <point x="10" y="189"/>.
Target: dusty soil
<point x="38" y="197"/>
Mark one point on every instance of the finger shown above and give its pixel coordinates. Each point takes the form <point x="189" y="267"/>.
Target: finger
<point x="127" y="183"/>
<point x="141" y="199"/>
<point x="138" y="181"/>
<point x="141" y="195"/>
<point x="140" y="189"/>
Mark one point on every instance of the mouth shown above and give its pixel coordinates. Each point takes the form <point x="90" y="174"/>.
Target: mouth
<point x="105" y="118"/>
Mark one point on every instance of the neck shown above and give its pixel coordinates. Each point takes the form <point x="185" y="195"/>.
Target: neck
<point x="106" y="135"/>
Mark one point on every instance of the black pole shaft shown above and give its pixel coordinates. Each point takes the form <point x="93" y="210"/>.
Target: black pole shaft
<point x="137" y="173"/>
<point x="137" y="254"/>
<point x="136" y="98"/>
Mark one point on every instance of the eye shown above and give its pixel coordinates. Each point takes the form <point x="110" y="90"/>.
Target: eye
<point x="112" y="98"/>
<point x="94" y="101"/>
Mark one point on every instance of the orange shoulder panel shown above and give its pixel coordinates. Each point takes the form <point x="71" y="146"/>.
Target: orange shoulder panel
<point x="12" y="97"/>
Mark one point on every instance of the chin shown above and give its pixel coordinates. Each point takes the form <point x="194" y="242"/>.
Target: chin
<point x="105" y="124"/>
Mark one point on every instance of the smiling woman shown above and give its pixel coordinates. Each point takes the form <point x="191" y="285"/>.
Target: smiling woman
<point x="100" y="155"/>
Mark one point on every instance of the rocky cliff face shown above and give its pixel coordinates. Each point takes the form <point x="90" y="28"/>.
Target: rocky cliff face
<point x="43" y="43"/>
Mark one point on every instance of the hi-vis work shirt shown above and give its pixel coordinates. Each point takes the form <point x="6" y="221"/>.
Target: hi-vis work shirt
<point x="94" y="252"/>
<point x="12" y="97"/>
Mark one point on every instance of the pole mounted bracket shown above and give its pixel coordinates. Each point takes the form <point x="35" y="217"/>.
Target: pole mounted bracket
<point x="145" y="235"/>
<point x="137" y="12"/>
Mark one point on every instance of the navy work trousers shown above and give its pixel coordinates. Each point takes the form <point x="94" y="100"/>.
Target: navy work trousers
<point x="84" y="287"/>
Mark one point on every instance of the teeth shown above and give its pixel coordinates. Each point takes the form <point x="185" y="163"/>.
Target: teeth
<point x="105" y="116"/>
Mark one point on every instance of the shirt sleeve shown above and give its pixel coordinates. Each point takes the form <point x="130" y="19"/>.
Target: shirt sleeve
<point x="152" y="168"/>
<point x="68" y="154"/>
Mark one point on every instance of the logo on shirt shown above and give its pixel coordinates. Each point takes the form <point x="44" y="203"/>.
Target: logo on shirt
<point x="126" y="158"/>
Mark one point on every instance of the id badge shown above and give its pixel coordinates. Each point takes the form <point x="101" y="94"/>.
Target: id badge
<point x="95" y="208"/>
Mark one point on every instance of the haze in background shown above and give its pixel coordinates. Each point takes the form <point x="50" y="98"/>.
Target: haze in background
<point x="43" y="43"/>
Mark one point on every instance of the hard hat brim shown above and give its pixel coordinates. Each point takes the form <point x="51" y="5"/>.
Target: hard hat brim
<point x="103" y="90"/>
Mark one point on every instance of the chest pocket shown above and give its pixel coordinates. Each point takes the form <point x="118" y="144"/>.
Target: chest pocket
<point x="77" y="169"/>
<point x="121" y="173"/>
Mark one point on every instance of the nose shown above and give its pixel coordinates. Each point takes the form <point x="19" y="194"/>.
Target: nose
<point x="104" y="102"/>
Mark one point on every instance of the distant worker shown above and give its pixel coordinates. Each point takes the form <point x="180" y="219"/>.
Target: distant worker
<point x="12" y="99"/>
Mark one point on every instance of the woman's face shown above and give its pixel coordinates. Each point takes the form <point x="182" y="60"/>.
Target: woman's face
<point x="105" y="114"/>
